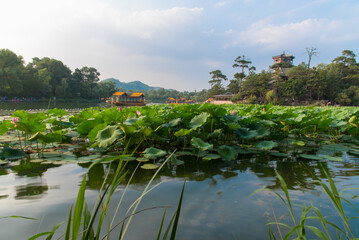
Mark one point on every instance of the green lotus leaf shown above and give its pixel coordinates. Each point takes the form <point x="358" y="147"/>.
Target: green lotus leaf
<point x="198" y="120"/>
<point x="266" y="145"/>
<point x="153" y="153"/>
<point x="233" y="125"/>
<point x="211" y="156"/>
<point x="130" y="121"/>
<point x="244" y="133"/>
<point x="93" y="133"/>
<point x="352" y="119"/>
<point x="198" y="143"/>
<point x="334" y="159"/>
<point x="298" y="143"/>
<point x="34" y="137"/>
<point x="311" y="157"/>
<point x="174" y="122"/>
<point x="107" y="136"/>
<point x="66" y="124"/>
<point x="86" y="126"/>
<point x="57" y="112"/>
<point x="142" y="159"/>
<point x="227" y="152"/>
<point x="12" y="154"/>
<point x="3" y="128"/>
<point x="183" y="132"/>
<point x="176" y="161"/>
<point x="149" y="166"/>
<point x="51" y="137"/>
<point x="216" y="133"/>
<point x="278" y="154"/>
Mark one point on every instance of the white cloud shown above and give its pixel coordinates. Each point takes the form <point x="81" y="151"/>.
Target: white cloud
<point x="270" y="36"/>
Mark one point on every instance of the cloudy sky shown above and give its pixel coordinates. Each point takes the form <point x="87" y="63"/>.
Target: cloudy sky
<point x="175" y="44"/>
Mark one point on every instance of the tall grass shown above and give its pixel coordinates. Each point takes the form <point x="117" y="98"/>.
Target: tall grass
<point x="299" y="227"/>
<point x="86" y="225"/>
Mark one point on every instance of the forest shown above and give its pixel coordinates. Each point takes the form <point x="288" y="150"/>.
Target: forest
<point x="283" y="84"/>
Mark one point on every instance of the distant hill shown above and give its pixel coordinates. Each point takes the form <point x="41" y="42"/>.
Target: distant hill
<point x="134" y="86"/>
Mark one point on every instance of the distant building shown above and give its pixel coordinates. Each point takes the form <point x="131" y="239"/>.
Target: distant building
<point x="283" y="58"/>
<point x="124" y="99"/>
<point x="221" y="99"/>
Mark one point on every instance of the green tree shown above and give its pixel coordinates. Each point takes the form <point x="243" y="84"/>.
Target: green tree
<point x="59" y="72"/>
<point x="216" y="83"/>
<point x="11" y="73"/>
<point x="243" y="63"/>
<point x="255" y="86"/>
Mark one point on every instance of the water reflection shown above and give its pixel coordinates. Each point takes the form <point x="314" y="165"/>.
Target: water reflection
<point x="31" y="191"/>
<point x="32" y="169"/>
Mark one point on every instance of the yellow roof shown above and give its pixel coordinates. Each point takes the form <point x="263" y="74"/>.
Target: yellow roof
<point x="137" y="94"/>
<point x="170" y="98"/>
<point x="119" y="94"/>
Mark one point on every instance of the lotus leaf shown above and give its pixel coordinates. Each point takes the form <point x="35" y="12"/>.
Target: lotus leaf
<point x="153" y="153"/>
<point x="11" y="154"/>
<point x="184" y="153"/>
<point x="211" y="156"/>
<point x="130" y="121"/>
<point x="3" y="128"/>
<point x="298" y="143"/>
<point x="311" y="157"/>
<point x="266" y="145"/>
<point x="227" y="152"/>
<point x="93" y="133"/>
<point x="34" y="137"/>
<point x="198" y="120"/>
<point x="149" y="166"/>
<point x="142" y="159"/>
<point x="174" y="122"/>
<point x="198" y="143"/>
<point x="183" y="132"/>
<point x="86" y="126"/>
<point x="176" y="161"/>
<point x="107" y="136"/>
<point x="244" y="133"/>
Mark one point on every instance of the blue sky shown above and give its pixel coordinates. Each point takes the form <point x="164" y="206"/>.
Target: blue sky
<point x="175" y="44"/>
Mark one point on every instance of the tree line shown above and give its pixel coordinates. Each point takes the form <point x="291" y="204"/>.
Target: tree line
<point x="336" y="82"/>
<point x="46" y="77"/>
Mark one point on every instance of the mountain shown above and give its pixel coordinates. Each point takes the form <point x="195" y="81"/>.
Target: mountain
<point x="135" y="85"/>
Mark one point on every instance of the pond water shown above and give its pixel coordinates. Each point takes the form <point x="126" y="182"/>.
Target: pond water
<point x="217" y="201"/>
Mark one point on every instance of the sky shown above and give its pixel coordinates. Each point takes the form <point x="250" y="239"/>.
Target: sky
<point x="175" y="44"/>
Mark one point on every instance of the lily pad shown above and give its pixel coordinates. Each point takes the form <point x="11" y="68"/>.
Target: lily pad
<point x="198" y="143"/>
<point x="108" y="136"/>
<point x="245" y="133"/>
<point x="149" y="166"/>
<point x="142" y="159"/>
<point x="311" y="157"/>
<point x="153" y="153"/>
<point x="211" y="156"/>
<point x="227" y="152"/>
<point x="11" y="154"/>
<point x="183" y="132"/>
<point x="198" y="120"/>
<point x="266" y="145"/>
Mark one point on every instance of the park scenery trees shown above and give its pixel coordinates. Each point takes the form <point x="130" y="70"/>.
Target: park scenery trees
<point x="48" y="77"/>
<point x="336" y="82"/>
<point x="286" y="84"/>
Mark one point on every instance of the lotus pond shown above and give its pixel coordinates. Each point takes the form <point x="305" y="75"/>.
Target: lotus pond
<point x="225" y="153"/>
